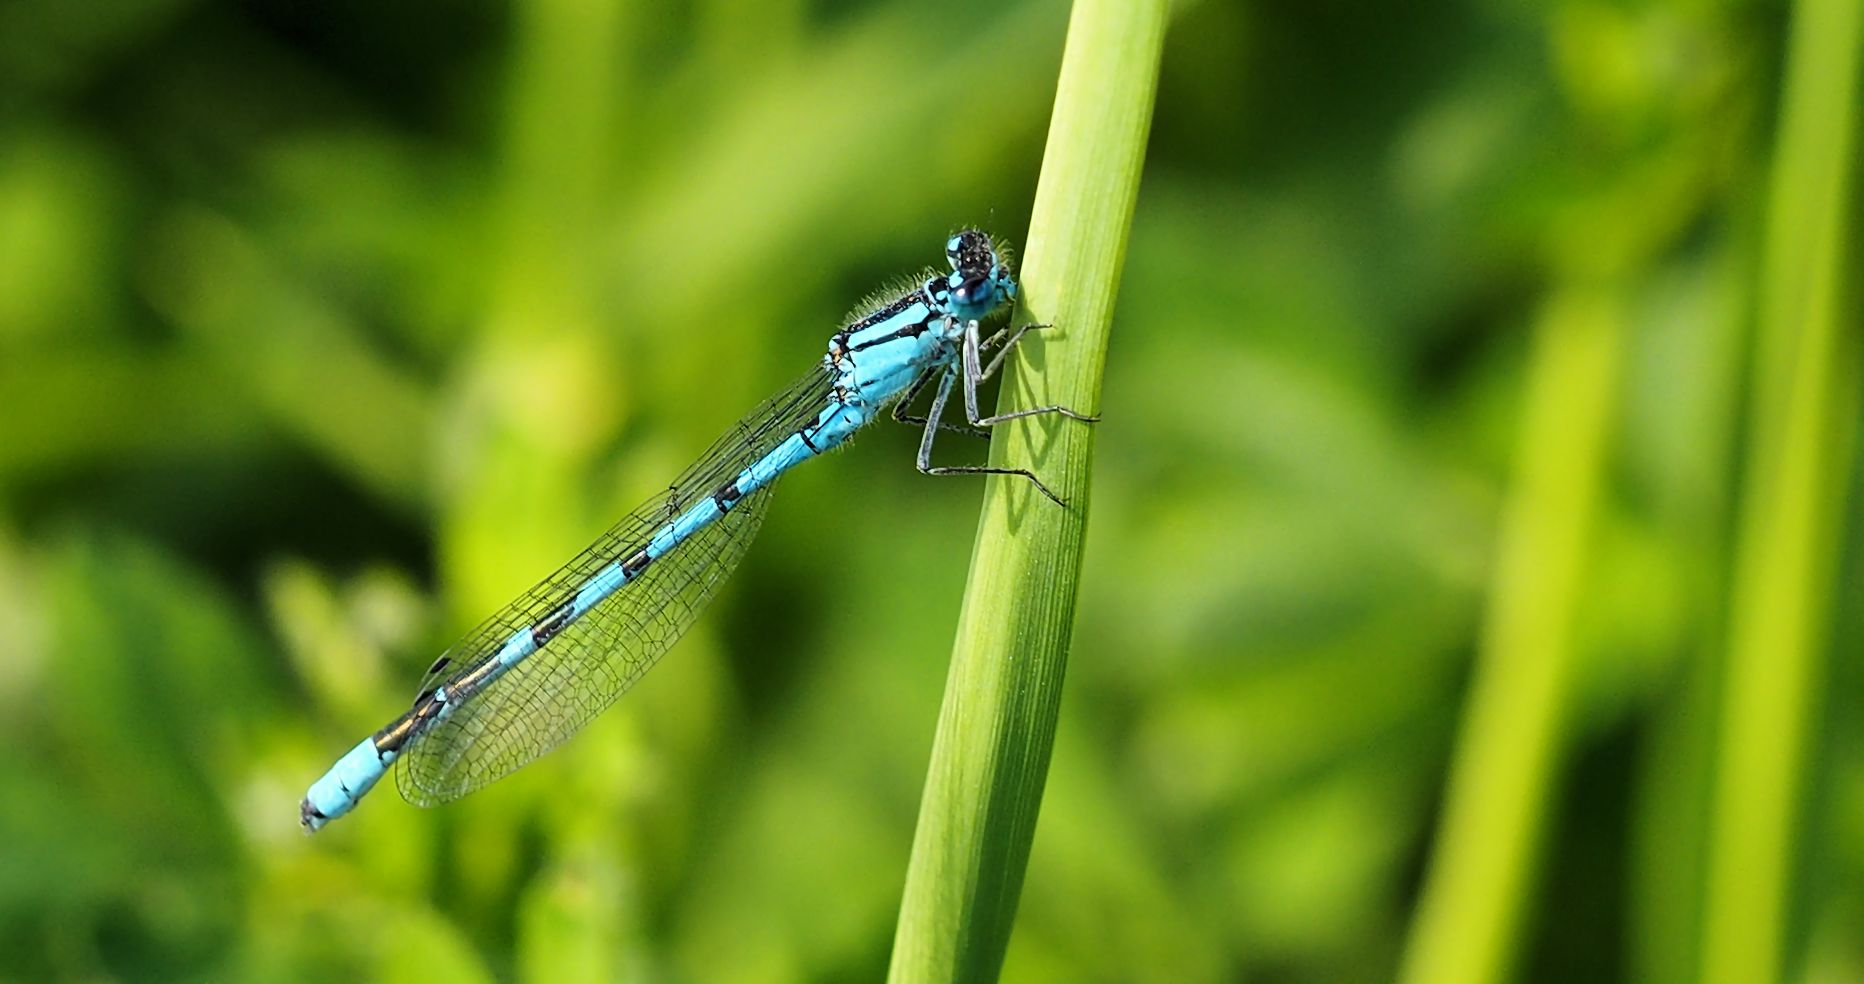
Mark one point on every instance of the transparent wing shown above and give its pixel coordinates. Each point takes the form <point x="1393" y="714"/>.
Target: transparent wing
<point x="548" y="696"/>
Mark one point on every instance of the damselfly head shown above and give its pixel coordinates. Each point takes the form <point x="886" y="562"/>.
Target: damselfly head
<point x="979" y="283"/>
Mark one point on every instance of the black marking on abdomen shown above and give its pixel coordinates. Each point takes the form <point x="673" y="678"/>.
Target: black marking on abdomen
<point x="636" y="564"/>
<point x="411" y="723"/>
<point x="553" y="623"/>
<point x="727" y="496"/>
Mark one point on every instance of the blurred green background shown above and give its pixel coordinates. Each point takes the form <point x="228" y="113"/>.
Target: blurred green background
<point x="327" y="328"/>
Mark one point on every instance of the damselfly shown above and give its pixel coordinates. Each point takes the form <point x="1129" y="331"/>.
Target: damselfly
<point x="541" y="668"/>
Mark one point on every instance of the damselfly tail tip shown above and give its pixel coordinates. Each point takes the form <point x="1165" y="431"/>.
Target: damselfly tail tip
<point x="310" y="818"/>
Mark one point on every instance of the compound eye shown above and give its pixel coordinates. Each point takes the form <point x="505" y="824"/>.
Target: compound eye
<point x="967" y="243"/>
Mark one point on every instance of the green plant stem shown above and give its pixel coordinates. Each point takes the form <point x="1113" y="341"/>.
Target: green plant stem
<point x="996" y="729"/>
<point x="1805" y="398"/>
<point x="1510" y="747"/>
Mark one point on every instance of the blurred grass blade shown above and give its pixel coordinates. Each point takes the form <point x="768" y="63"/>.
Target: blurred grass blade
<point x="1510" y="747"/>
<point x="996" y="729"/>
<point x="1805" y="402"/>
<point x="281" y="346"/>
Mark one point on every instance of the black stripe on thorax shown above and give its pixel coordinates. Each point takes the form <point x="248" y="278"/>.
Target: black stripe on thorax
<point x="913" y="330"/>
<point x="905" y="301"/>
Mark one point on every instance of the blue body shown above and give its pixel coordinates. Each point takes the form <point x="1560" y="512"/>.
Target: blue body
<point x="566" y="621"/>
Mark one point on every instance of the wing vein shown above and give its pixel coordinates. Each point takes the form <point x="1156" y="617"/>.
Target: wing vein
<point x="588" y="664"/>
